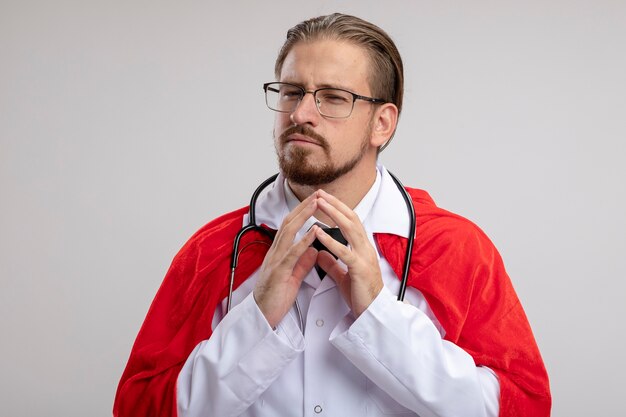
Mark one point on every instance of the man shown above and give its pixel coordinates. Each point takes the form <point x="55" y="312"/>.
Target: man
<point x="297" y="343"/>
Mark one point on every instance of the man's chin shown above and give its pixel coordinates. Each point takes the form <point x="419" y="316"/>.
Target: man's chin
<point x="302" y="177"/>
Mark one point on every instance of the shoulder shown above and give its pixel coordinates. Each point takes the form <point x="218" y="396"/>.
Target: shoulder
<point x="446" y="229"/>
<point x="225" y="223"/>
<point x="448" y="249"/>
<point x="456" y="266"/>
<point x="213" y="236"/>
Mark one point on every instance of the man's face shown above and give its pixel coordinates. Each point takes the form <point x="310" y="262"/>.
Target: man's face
<point x="312" y="149"/>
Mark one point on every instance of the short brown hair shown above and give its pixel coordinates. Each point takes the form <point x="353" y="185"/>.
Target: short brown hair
<point x="386" y="77"/>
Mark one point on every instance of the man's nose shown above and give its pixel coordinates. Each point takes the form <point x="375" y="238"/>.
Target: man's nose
<point x="306" y="111"/>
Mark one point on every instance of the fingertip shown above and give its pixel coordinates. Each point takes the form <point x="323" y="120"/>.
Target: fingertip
<point x="324" y="253"/>
<point x="322" y="203"/>
<point x="311" y="234"/>
<point x="327" y="196"/>
<point x="327" y="262"/>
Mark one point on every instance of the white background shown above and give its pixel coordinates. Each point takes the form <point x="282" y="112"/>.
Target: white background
<point x="126" y="125"/>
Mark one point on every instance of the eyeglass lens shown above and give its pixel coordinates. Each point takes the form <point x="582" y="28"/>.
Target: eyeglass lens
<point x="330" y="102"/>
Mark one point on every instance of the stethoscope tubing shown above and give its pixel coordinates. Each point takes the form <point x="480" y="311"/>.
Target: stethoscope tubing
<point x="234" y="257"/>
<point x="408" y="256"/>
<point x="253" y="226"/>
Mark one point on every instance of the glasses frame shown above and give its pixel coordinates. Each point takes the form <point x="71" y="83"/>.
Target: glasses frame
<point x="355" y="97"/>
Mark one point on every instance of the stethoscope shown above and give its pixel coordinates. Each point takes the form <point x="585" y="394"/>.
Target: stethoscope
<point x="234" y="259"/>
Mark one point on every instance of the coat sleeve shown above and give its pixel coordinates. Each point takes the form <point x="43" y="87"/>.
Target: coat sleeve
<point x="462" y="277"/>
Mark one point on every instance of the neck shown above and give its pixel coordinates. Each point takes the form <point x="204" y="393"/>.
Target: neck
<point x="350" y="188"/>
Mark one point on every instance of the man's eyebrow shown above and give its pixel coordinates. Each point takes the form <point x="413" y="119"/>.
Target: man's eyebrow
<point x="339" y="86"/>
<point x="323" y="85"/>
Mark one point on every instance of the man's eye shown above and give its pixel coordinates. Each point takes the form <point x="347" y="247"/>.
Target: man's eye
<point x="334" y="98"/>
<point x="291" y="94"/>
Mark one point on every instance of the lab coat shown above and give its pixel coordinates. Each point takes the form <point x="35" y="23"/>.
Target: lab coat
<point x="392" y="360"/>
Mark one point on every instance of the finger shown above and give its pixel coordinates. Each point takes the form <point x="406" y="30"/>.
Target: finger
<point x="346" y="219"/>
<point x="295" y="252"/>
<point x="331" y="266"/>
<point x="305" y="263"/>
<point x="292" y="223"/>
<point x="341" y="210"/>
<point x="296" y="213"/>
<point x="338" y="217"/>
<point x="337" y="248"/>
<point x="335" y="272"/>
<point x="302" y="205"/>
<point x="335" y="202"/>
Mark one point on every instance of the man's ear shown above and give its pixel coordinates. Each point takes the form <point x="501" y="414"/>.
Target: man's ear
<point x="384" y="124"/>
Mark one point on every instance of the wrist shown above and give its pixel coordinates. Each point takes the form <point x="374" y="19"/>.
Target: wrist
<point x="373" y="292"/>
<point x="269" y="315"/>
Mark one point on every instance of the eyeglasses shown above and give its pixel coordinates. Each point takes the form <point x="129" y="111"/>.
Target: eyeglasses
<point x="331" y="102"/>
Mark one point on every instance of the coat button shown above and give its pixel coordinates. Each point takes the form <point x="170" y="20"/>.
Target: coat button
<point x="319" y="322"/>
<point x="318" y="409"/>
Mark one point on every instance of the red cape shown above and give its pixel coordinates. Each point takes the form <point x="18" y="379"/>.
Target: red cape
<point x="455" y="266"/>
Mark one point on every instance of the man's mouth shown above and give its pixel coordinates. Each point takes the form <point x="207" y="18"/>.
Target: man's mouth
<point x="301" y="139"/>
<point x="302" y="136"/>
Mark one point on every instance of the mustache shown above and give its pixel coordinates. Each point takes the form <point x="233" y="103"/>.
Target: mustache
<point x="305" y="131"/>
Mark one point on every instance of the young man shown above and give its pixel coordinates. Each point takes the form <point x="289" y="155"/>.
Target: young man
<point x="295" y="343"/>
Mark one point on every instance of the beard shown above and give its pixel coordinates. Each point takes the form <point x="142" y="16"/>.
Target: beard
<point x="295" y="164"/>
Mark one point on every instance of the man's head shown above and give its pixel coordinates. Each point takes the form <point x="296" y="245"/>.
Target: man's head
<point x="315" y="146"/>
<point x="386" y="76"/>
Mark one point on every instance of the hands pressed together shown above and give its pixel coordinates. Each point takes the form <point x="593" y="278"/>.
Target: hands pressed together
<point x="288" y="261"/>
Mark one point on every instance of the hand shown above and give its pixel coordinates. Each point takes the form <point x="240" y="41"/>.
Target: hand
<point x="362" y="282"/>
<point x="286" y="264"/>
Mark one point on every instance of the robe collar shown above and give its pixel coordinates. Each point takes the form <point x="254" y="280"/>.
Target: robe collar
<point x="382" y="209"/>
